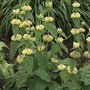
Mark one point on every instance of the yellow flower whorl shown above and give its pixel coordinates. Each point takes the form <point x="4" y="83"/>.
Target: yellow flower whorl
<point x="61" y="67"/>
<point x="76" y="45"/>
<point x="59" y="40"/>
<point x="76" y="4"/>
<point x="75" y="15"/>
<point x="88" y="39"/>
<point x="16" y="22"/>
<point x="47" y="38"/>
<point x="26" y="8"/>
<point x="26" y="36"/>
<point x="27" y="51"/>
<point x="17" y="37"/>
<point x="75" y="54"/>
<point x="16" y="12"/>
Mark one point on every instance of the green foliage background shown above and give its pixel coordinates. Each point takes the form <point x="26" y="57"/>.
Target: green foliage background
<point x="29" y="78"/>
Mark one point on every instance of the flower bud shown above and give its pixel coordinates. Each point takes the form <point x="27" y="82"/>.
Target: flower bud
<point x="16" y="22"/>
<point x="59" y="40"/>
<point x="74" y="71"/>
<point x="40" y="16"/>
<point x="81" y="30"/>
<point x="40" y="27"/>
<point x="75" y="15"/>
<point x="49" y="4"/>
<point x="41" y="47"/>
<point x="33" y="39"/>
<point x="61" y="67"/>
<point x="76" y="45"/>
<point x="17" y="37"/>
<point x="16" y="12"/>
<point x="75" y="54"/>
<point x="54" y="60"/>
<point x="27" y="51"/>
<point x="87" y="54"/>
<point x="47" y="38"/>
<point x="76" y="5"/>
<point x="20" y="58"/>
<point x="26" y="37"/>
<point x="26" y="8"/>
<point x="59" y="30"/>
<point x="88" y="39"/>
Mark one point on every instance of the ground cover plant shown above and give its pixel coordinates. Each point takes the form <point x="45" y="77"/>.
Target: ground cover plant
<point x="50" y="46"/>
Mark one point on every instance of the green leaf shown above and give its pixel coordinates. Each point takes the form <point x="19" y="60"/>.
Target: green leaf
<point x="85" y="74"/>
<point x="84" y="87"/>
<point x="38" y="34"/>
<point x="42" y="59"/>
<point x="1" y="74"/>
<point x="64" y="75"/>
<point x="36" y="84"/>
<point x="30" y="16"/>
<point x="9" y="83"/>
<point x="21" y="78"/>
<point x="51" y="28"/>
<point x="88" y="46"/>
<point x="28" y="64"/>
<point x="15" y="29"/>
<point x="55" y="86"/>
<point x="77" y="22"/>
<point x="55" y="48"/>
<point x="64" y="47"/>
<point x="13" y="49"/>
<point x="2" y="44"/>
<point x="42" y="73"/>
<point x="63" y="34"/>
<point x="21" y="43"/>
<point x="72" y="85"/>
